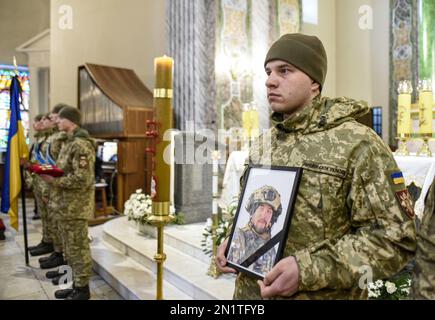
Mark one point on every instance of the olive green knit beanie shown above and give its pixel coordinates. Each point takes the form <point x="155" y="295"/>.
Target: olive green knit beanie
<point x="304" y="52"/>
<point x="72" y="114"/>
<point x="56" y="109"/>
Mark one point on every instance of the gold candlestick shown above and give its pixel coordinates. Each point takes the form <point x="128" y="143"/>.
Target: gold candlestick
<point x="163" y="122"/>
<point x="425" y="150"/>
<point x="213" y="270"/>
<point x="403" y="149"/>
<point x="404" y="117"/>
<point x="425" y="116"/>
<point x="163" y="117"/>
<point x="160" y="218"/>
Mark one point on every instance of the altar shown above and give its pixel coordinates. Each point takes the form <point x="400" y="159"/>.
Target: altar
<point x="419" y="171"/>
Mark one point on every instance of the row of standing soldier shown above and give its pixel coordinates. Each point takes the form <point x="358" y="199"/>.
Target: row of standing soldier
<point x="64" y="203"/>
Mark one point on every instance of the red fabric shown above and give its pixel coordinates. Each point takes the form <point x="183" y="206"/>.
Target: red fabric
<point x="2" y="226"/>
<point x="46" y="169"/>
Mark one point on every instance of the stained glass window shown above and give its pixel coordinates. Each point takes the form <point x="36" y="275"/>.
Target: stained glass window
<point x="427" y="40"/>
<point x="6" y="74"/>
<point x="377" y="120"/>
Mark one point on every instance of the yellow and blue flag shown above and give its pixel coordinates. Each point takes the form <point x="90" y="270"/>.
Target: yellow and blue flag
<point x="17" y="149"/>
<point x="397" y="178"/>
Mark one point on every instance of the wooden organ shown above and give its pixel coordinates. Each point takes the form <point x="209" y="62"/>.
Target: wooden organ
<point x="115" y="106"/>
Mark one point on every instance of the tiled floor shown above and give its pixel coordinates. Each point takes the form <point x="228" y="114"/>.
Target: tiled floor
<point x="21" y="282"/>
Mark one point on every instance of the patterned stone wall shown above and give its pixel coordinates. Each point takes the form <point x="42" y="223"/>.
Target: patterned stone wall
<point x="191" y="42"/>
<point x="219" y="48"/>
<point x="403" y="53"/>
<point x="245" y="30"/>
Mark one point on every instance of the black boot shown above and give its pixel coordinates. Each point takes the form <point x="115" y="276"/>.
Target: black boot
<point x="41" y="244"/>
<point x="80" y="293"/>
<point x="43" y="259"/>
<point x="46" y="248"/>
<point x="53" y="262"/>
<point x="53" y="274"/>
<point x="63" y="293"/>
<point x="2" y="235"/>
<point x="55" y="281"/>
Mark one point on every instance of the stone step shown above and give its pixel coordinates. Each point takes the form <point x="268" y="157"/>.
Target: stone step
<point x="129" y="278"/>
<point x="181" y="268"/>
<point x="186" y="238"/>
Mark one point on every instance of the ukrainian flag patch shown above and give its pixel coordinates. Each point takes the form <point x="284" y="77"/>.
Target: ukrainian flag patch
<point x="397" y="178"/>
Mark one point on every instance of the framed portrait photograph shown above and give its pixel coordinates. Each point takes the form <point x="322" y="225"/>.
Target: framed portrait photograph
<point x="262" y="219"/>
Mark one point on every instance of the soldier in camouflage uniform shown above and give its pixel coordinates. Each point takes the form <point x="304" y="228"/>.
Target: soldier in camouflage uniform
<point x="264" y="207"/>
<point x="39" y="187"/>
<point x="74" y="195"/>
<point x="423" y="282"/>
<point x="347" y="216"/>
<point x="54" y="143"/>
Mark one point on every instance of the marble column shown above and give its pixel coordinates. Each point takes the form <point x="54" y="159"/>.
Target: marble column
<point x="191" y="42"/>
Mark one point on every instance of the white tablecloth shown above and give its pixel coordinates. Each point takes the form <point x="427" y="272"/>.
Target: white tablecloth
<point x="421" y="171"/>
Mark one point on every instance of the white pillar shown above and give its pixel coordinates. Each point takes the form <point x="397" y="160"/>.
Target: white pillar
<point x="33" y="98"/>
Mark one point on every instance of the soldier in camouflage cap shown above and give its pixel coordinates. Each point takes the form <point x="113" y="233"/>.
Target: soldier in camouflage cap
<point x="264" y="208"/>
<point x="423" y="282"/>
<point x="73" y="196"/>
<point x="54" y="143"/>
<point x="38" y="186"/>
<point x="352" y="211"/>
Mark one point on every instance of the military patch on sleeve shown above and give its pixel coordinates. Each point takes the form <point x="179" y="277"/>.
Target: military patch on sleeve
<point x="83" y="162"/>
<point x="405" y="202"/>
<point x="397" y="178"/>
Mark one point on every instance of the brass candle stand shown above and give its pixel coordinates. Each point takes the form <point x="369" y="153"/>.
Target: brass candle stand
<point x="403" y="149"/>
<point x="160" y="218"/>
<point x="213" y="270"/>
<point x="425" y="150"/>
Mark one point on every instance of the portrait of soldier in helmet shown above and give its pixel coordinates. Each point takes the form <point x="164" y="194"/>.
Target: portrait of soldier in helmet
<point x="264" y="207"/>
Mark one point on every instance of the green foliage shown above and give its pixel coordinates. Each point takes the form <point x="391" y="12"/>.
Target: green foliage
<point x="224" y="224"/>
<point x="179" y="218"/>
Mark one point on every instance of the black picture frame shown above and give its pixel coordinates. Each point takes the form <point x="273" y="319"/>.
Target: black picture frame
<point x="261" y="183"/>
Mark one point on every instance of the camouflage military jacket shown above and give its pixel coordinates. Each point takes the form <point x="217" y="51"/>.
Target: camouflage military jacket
<point x="73" y="193"/>
<point x="245" y="243"/>
<point x="423" y="283"/>
<point x="54" y="144"/>
<point x="39" y="186"/>
<point x="347" y="214"/>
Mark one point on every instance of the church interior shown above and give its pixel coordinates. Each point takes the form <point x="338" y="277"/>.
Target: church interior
<point x="173" y="92"/>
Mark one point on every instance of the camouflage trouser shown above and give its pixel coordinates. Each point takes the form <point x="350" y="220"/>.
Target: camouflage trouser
<point x="77" y="250"/>
<point x="53" y="215"/>
<point x="42" y="209"/>
<point x="56" y="234"/>
<point x="423" y="282"/>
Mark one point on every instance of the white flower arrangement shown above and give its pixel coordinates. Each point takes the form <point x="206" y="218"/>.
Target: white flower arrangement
<point x="139" y="207"/>
<point x="222" y="229"/>
<point x="396" y="289"/>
